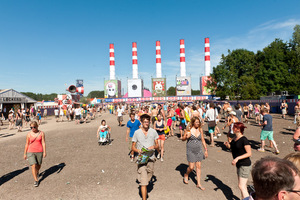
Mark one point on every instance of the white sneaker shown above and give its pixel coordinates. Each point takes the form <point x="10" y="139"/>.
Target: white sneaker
<point x="158" y="156"/>
<point x="219" y="134"/>
<point x="161" y="159"/>
<point x="215" y="137"/>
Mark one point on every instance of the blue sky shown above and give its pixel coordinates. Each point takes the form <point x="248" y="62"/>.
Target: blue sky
<point x="47" y="44"/>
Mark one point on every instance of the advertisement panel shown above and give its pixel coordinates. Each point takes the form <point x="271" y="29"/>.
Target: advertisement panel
<point x="183" y="86"/>
<point x="204" y="90"/>
<point x="135" y="88"/>
<point x="159" y="87"/>
<point x="79" y="83"/>
<point x="111" y="89"/>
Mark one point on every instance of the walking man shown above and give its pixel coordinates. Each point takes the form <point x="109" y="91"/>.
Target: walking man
<point x="132" y="125"/>
<point x="267" y="131"/>
<point x="119" y="114"/>
<point x="145" y="137"/>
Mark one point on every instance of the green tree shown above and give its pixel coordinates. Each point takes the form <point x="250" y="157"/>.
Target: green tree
<point x="231" y="76"/>
<point x="273" y="72"/>
<point x="195" y="92"/>
<point x="296" y="39"/>
<point x="85" y="100"/>
<point x="96" y="94"/>
<point x="171" y="91"/>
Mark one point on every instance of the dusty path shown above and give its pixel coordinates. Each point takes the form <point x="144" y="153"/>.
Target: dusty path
<point x="77" y="168"/>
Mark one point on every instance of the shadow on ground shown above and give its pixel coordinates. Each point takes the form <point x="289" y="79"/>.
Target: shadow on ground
<point x="4" y="135"/>
<point x="150" y="186"/>
<point x="223" y="187"/>
<point x="11" y="175"/>
<point x="182" y="169"/>
<point x="56" y="168"/>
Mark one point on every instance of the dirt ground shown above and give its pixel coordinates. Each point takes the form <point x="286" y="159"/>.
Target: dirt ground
<point x="76" y="167"/>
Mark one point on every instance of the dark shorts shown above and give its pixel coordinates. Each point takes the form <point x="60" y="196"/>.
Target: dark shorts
<point x="19" y="122"/>
<point x="182" y="125"/>
<point x="120" y="118"/>
<point x="77" y="117"/>
<point x="27" y="118"/>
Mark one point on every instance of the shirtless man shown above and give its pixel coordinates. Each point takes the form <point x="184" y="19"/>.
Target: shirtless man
<point x="225" y="106"/>
<point x="154" y="113"/>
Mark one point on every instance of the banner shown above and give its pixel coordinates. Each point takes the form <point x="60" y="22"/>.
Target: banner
<point x="135" y="88"/>
<point x="111" y="89"/>
<point x="204" y="85"/>
<point x="159" y="87"/>
<point x="183" y="86"/>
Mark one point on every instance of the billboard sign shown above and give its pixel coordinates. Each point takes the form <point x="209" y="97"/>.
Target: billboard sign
<point x="135" y="88"/>
<point x="204" y="90"/>
<point x="159" y="87"/>
<point x="183" y="86"/>
<point x="111" y="89"/>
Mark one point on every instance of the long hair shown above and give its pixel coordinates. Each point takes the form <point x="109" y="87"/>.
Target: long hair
<point x="192" y="122"/>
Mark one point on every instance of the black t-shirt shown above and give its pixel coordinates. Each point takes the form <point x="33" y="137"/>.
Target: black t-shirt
<point x="238" y="149"/>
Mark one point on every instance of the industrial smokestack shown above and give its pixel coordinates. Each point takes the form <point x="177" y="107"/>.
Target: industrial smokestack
<point x="112" y="73"/>
<point x="207" y="57"/>
<point x="182" y="59"/>
<point x="158" y="60"/>
<point x="134" y="61"/>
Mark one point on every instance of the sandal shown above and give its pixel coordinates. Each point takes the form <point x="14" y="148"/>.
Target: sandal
<point x="185" y="181"/>
<point x="200" y="187"/>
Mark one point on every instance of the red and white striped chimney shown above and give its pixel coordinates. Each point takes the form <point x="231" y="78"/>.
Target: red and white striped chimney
<point x="158" y="60"/>
<point x="182" y="59"/>
<point x="134" y="61"/>
<point x="112" y="73"/>
<point x="207" y="57"/>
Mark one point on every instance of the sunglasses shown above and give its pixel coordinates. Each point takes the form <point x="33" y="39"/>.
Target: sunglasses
<point x="32" y="127"/>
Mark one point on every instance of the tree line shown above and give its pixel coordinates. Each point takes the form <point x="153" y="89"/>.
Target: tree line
<point x="243" y="74"/>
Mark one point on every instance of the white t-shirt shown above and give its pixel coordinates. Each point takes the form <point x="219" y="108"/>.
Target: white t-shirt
<point x="77" y="111"/>
<point x="211" y="114"/>
<point x="120" y="111"/>
<point x="200" y="111"/>
<point x="56" y="112"/>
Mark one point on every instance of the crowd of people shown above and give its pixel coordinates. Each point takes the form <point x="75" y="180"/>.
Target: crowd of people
<point x="150" y="125"/>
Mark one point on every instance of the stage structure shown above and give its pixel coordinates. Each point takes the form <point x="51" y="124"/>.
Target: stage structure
<point x="135" y="85"/>
<point x="158" y="83"/>
<point x="183" y="83"/>
<point x="204" y="79"/>
<point x="112" y="87"/>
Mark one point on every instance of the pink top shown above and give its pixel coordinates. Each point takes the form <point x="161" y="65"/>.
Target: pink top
<point x="35" y="145"/>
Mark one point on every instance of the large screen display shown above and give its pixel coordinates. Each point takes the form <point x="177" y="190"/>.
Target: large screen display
<point x="183" y="86"/>
<point x="159" y="87"/>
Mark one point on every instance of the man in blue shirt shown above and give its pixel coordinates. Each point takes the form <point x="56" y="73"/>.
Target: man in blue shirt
<point x="267" y="131"/>
<point x="132" y="125"/>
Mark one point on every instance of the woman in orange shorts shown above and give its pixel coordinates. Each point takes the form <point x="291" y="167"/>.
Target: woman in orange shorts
<point x="160" y="127"/>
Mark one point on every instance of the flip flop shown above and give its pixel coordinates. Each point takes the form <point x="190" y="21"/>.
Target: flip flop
<point x="200" y="187"/>
<point x="185" y="181"/>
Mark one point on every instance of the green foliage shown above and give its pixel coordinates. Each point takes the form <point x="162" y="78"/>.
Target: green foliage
<point x="243" y="74"/>
<point x="85" y="100"/>
<point x="296" y="39"/>
<point x="41" y="97"/>
<point x="96" y="94"/>
<point x="195" y="92"/>
<point x="171" y="91"/>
